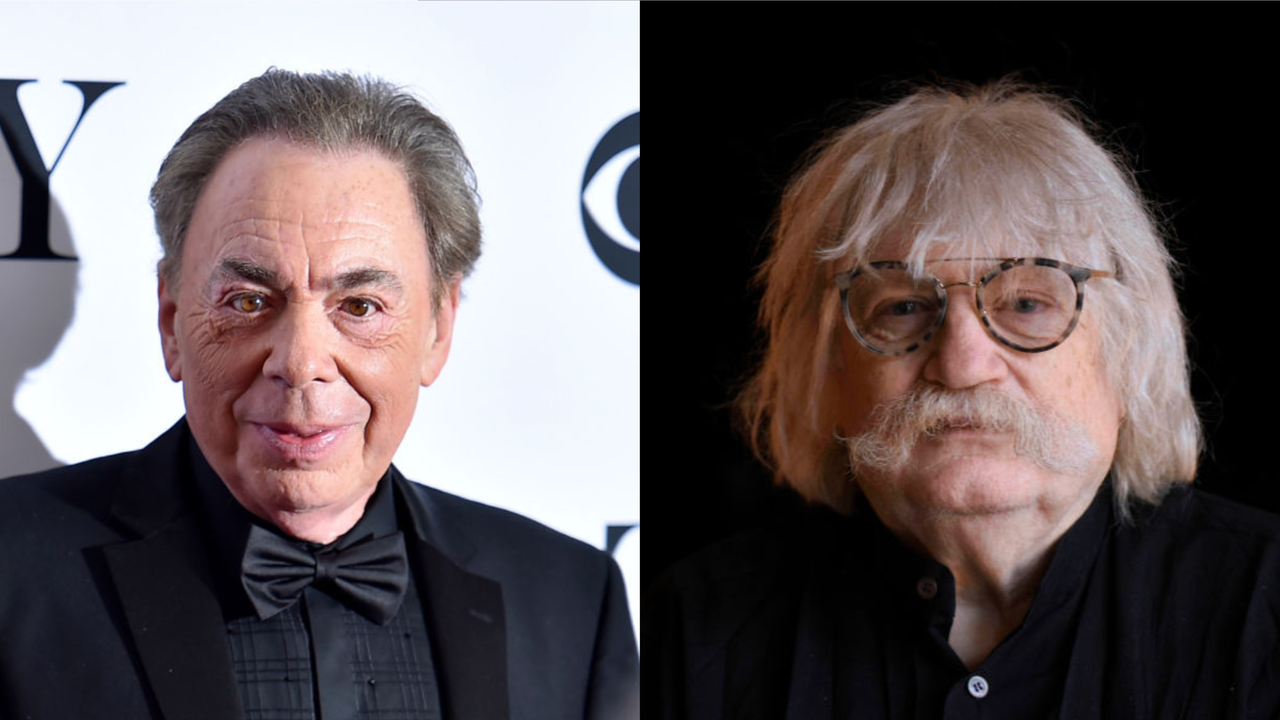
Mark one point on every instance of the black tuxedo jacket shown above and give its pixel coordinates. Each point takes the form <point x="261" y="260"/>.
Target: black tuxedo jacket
<point x="108" y="610"/>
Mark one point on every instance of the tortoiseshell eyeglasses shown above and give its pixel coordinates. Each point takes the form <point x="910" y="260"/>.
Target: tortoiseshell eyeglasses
<point x="1029" y="304"/>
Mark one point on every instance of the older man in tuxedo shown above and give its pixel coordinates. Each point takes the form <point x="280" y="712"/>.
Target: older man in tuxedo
<point x="263" y="558"/>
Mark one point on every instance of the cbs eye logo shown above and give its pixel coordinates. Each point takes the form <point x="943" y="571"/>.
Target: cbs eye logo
<point x="611" y="199"/>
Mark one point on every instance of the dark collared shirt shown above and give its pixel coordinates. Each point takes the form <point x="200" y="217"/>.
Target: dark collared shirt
<point x="389" y="667"/>
<point x="1176" y="615"/>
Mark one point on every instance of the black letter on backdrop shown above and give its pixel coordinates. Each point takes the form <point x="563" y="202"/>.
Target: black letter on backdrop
<point x="33" y="239"/>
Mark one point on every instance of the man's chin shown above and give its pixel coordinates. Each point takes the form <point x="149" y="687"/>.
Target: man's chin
<point x="295" y="490"/>
<point x="974" y="484"/>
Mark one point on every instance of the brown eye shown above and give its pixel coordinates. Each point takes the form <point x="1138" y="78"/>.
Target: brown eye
<point x="248" y="303"/>
<point x="358" y="307"/>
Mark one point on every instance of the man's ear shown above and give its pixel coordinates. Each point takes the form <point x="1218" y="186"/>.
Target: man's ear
<point x="168" y="330"/>
<point x="442" y="334"/>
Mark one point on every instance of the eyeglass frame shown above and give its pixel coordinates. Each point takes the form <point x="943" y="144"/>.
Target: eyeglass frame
<point x="1078" y="274"/>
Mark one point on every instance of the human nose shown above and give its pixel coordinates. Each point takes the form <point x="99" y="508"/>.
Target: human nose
<point x="963" y="354"/>
<point x="301" y="348"/>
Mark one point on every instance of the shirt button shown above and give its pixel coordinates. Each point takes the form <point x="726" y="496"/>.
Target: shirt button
<point x="926" y="587"/>
<point x="978" y="686"/>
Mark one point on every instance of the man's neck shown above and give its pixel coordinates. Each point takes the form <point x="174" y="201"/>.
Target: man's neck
<point x="997" y="575"/>
<point x="321" y="526"/>
<point x="998" y="561"/>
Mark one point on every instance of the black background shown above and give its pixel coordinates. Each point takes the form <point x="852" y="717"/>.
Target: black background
<point x="1184" y="90"/>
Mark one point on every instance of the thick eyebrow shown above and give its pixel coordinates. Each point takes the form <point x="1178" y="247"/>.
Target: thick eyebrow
<point x="249" y="270"/>
<point x="349" y="280"/>
<point x="368" y="276"/>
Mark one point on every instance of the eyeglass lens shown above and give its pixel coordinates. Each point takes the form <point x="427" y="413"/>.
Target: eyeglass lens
<point x="1029" y="306"/>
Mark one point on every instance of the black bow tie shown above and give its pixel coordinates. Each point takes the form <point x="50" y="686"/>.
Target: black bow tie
<point x="369" y="576"/>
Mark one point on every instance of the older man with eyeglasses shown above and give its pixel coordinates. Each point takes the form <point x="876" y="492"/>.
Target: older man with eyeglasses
<point x="997" y="466"/>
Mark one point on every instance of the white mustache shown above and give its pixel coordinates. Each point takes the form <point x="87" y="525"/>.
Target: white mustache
<point x="1039" y="435"/>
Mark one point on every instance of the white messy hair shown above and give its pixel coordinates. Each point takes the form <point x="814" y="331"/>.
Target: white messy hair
<point x="978" y="169"/>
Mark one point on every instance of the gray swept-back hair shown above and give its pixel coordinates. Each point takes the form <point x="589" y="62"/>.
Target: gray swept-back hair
<point x="979" y="169"/>
<point x="331" y="112"/>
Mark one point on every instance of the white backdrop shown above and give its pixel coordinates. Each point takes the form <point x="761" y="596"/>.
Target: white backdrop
<point x="538" y="409"/>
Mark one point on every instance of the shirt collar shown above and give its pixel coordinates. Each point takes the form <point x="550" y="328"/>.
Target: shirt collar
<point x="1075" y="554"/>
<point x="869" y="544"/>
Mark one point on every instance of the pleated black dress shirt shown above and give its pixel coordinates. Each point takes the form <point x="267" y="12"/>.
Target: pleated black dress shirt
<point x="387" y="669"/>
<point x="1173" y="615"/>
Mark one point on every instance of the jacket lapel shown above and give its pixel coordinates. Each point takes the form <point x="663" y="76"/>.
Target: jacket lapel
<point x="166" y="588"/>
<point x="464" y="613"/>
<point x="170" y="604"/>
